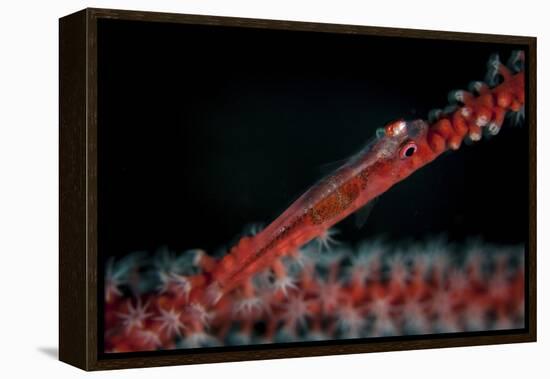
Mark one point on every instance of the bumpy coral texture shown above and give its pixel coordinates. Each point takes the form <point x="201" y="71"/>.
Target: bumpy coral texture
<point x="372" y="290"/>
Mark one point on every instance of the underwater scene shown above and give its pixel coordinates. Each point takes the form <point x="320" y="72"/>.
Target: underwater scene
<point x="260" y="187"/>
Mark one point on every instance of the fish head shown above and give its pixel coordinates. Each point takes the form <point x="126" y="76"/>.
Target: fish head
<point x="403" y="144"/>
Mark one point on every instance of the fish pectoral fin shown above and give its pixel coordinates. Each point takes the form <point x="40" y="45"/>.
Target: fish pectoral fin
<point x="362" y="214"/>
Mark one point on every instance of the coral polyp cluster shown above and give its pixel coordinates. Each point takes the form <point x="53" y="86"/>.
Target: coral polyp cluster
<point x="370" y="290"/>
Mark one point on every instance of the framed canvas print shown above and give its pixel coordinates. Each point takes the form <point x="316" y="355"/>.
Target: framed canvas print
<point x="236" y="189"/>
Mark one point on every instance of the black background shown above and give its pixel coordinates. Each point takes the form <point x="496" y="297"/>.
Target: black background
<point x="205" y="129"/>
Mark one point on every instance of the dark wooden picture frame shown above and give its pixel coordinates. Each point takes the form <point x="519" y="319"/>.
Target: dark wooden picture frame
<point x="78" y="254"/>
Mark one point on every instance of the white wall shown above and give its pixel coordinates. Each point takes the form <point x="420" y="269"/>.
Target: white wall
<point x="28" y="185"/>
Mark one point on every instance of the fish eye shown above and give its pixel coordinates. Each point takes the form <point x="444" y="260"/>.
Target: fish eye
<point x="408" y="150"/>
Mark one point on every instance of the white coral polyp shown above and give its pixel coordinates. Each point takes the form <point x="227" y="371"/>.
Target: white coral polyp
<point x="171" y="322"/>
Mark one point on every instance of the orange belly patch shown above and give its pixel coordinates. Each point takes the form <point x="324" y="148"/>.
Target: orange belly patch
<point x="335" y="203"/>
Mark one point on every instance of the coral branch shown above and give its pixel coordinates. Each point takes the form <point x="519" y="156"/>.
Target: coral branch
<point x="359" y="293"/>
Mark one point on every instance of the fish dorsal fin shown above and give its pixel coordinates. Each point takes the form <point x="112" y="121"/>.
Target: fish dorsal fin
<point x="330" y="167"/>
<point x="362" y="214"/>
